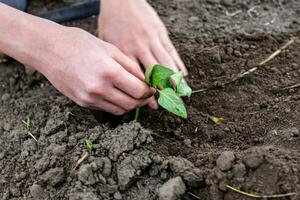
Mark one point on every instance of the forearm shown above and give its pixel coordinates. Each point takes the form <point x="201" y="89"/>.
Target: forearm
<point x="26" y="38"/>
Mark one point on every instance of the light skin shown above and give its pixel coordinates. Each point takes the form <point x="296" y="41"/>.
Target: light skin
<point x="97" y="73"/>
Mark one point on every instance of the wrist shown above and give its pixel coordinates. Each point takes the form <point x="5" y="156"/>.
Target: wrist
<point x="26" y="38"/>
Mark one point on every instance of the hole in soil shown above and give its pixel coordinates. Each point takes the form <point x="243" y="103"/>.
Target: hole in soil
<point x="110" y="119"/>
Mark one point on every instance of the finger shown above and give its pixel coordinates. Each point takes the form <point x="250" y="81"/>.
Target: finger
<point x="101" y="104"/>
<point x="153" y="103"/>
<point x="124" y="101"/>
<point x="130" y="65"/>
<point x="162" y="55"/>
<point x="131" y="85"/>
<point x="147" y="59"/>
<point x="168" y="45"/>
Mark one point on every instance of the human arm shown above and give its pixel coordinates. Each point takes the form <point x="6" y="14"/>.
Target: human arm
<point x="90" y="71"/>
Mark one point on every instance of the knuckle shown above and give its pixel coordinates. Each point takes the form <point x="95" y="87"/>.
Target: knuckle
<point x="131" y="104"/>
<point x="84" y="100"/>
<point x="92" y="88"/>
<point x="142" y="52"/>
<point x="109" y="74"/>
<point x="140" y="93"/>
<point x="148" y="34"/>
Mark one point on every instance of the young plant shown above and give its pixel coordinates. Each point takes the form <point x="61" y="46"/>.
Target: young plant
<point x="27" y="122"/>
<point x="170" y="87"/>
<point x="89" y="145"/>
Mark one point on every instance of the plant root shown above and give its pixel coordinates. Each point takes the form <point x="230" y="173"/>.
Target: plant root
<point x="291" y="87"/>
<point x="85" y="156"/>
<point x="254" y="68"/>
<point x="193" y="195"/>
<point x="260" y="196"/>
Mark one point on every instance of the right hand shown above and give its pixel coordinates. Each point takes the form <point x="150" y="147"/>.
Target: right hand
<point x="94" y="73"/>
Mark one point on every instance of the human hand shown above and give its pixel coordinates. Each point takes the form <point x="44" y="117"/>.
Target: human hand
<point x="136" y="29"/>
<point x="94" y="73"/>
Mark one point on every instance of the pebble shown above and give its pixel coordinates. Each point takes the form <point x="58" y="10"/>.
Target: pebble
<point x="224" y="161"/>
<point x="295" y="66"/>
<point x="193" y="19"/>
<point x="188" y="142"/>
<point x="237" y="53"/>
<point x="117" y="195"/>
<point x="5" y="97"/>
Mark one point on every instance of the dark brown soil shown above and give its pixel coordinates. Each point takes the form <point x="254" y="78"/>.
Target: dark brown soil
<point x="255" y="149"/>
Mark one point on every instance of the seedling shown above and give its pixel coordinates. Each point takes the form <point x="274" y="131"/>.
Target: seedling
<point x="259" y="8"/>
<point x="27" y="122"/>
<point x="89" y="145"/>
<point x="170" y="87"/>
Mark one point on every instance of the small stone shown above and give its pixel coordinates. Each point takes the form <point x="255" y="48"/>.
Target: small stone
<point x="224" y="161"/>
<point x="229" y="50"/>
<point x="193" y="19"/>
<point x="237" y="53"/>
<point x="117" y="195"/>
<point x="5" y="97"/>
<point x="188" y="142"/>
<point x="164" y="175"/>
<point x="295" y="66"/>
<point x="172" y="189"/>
<point x="37" y="192"/>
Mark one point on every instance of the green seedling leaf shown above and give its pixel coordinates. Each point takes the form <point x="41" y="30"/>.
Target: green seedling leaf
<point x="160" y="77"/>
<point x="183" y="90"/>
<point x="259" y="8"/>
<point x="169" y="100"/>
<point x="176" y="79"/>
<point x="148" y="74"/>
<point x="89" y="145"/>
<point x="27" y="122"/>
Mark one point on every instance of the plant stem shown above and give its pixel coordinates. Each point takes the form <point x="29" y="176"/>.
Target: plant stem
<point x="137" y="114"/>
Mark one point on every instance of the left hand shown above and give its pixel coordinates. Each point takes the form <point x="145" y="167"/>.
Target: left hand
<point x="136" y="29"/>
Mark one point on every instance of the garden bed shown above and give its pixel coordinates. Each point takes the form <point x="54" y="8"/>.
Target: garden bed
<point x="255" y="149"/>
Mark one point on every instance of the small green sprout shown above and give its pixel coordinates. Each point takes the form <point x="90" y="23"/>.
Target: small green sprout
<point x="259" y="8"/>
<point x="89" y="145"/>
<point x="27" y="122"/>
<point x="170" y="87"/>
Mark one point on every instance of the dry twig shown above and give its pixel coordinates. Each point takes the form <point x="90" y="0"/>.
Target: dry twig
<point x="257" y="66"/>
<point x="260" y="196"/>
<point x="85" y="156"/>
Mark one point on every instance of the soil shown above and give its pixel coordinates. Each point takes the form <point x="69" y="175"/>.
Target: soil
<point x="256" y="149"/>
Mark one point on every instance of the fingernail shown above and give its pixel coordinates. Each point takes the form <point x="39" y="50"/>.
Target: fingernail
<point x="152" y="90"/>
